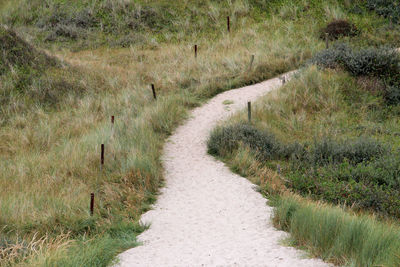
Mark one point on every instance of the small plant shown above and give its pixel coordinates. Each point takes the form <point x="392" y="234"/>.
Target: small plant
<point x="339" y="28"/>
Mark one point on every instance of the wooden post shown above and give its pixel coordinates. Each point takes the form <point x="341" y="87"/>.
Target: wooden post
<point x="327" y="40"/>
<point x="91" y="203"/>
<point x="195" y="51"/>
<point x="251" y="62"/>
<point x="278" y="167"/>
<point x="102" y="157"/>
<point x="249" y="110"/>
<point x="228" y="24"/>
<point x="112" y="126"/>
<point x="154" y="91"/>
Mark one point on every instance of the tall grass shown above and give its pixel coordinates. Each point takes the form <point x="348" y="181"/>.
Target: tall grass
<point x="49" y="158"/>
<point x="338" y="236"/>
<point x="313" y="105"/>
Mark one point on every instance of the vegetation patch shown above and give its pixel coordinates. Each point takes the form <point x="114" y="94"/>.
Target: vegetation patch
<point x="324" y="138"/>
<point x="336" y="235"/>
<point x="382" y="63"/>
<point x="339" y="28"/>
<point x="387" y="8"/>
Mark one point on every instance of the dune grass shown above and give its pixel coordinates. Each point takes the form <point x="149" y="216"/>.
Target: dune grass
<point x="49" y="155"/>
<point x="336" y="235"/>
<point x="289" y="128"/>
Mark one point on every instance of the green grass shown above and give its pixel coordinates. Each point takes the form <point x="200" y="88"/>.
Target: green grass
<point x="336" y="235"/>
<point x="295" y="128"/>
<point x="49" y="150"/>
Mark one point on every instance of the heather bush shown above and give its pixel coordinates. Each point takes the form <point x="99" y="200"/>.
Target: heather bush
<point x="382" y="63"/>
<point x="339" y="28"/>
<point x="355" y="151"/>
<point x="227" y="139"/>
<point x="387" y="8"/>
<point x="361" y="172"/>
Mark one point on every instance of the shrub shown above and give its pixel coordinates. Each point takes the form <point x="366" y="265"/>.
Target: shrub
<point x="386" y="8"/>
<point x="332" y="57"/>
<point x="379" y="62"/>
<point x="227" y="139"/>
<point x="339" y="28"/>
<point x="355" y="151"/>
<point x="382" y="63"/>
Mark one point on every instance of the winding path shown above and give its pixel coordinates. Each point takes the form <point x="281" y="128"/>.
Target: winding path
<point x="206" y="215"/>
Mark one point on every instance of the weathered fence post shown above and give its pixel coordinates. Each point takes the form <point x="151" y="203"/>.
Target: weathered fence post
<point x="154" y="91"/>
<point x="91" y="203"/>
<point x="251" y="62"/>
<point x="249" y="110"/>
<point x="102" y="157"/>
<point x="195" y="51"/>
<point x="228" y="24"/>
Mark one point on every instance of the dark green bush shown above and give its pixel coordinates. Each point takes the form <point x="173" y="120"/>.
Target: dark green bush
<point x="339" y="28"/>
<point x="387" y="8"/>
<point x="355" y="151"/>
<point x="382" y="63"/>
<point x="361" y="172"/>
<point x="227" y="139"/>
<point x="332" y="57"/>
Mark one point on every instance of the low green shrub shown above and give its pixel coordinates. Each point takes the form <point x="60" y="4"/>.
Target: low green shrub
<point x="382" y="63"/>
<point x="355" y="151"/>
<point x="225" y="140"/>
<point x="387" y="8"/>
<point x="362" y="172"/>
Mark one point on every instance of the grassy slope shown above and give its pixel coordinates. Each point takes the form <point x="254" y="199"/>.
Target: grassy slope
<point x="49" y="156"/>
<point x="312" y="106"/>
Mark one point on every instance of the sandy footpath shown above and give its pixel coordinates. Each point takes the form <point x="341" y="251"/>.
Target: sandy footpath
<point x="206" y="215"/>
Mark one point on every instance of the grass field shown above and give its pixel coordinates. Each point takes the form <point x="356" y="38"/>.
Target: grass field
<point x="57" y="111"/>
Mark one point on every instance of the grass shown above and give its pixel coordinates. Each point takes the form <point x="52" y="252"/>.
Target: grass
<point x="49" y="154"/>
<point x="289" y="127"/>
<point x="336" y="235"/>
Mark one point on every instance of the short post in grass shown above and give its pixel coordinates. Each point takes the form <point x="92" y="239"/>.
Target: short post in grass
<point x="278" y="169"/>
<point x="154" y="91"/>
<point x="251" y="62"/>
<point x="249" y="110"/>
<point x="228" y="24"/>
<point x="195" y="51"/>
<point x="327" y="40"/>
<point x="112" y="125"/>
<point x="91" y="203"/>
<point x="102" y="157"/>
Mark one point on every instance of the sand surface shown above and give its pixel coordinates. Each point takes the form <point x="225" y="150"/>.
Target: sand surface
<point x="206" y="215"/>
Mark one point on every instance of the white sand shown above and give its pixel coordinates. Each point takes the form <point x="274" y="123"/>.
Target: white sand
<point x="206" y="215"/>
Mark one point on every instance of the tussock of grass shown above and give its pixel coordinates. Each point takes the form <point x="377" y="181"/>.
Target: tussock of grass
<point x="338" y="236"/>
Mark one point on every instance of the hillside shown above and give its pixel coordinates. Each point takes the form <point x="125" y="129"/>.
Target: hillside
<point x="105" y="55"/>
